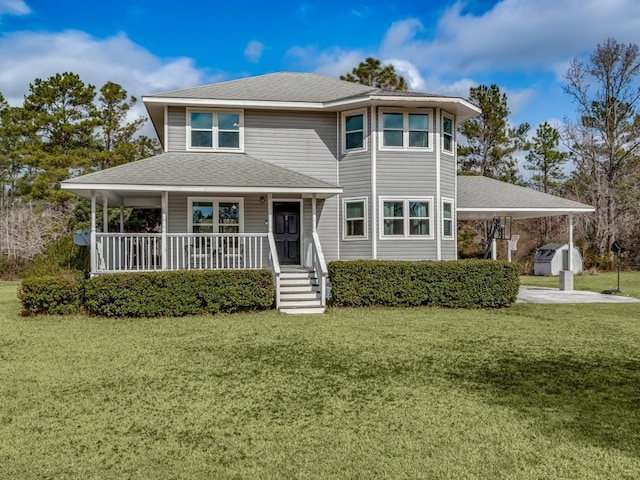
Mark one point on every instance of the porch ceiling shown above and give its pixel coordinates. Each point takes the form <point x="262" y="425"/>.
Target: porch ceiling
<point x="194" y="172"/>
<point x="482" y="198"/>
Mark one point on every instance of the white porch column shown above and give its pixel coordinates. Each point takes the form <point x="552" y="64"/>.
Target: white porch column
<point x="92" y="252"/>
<point x="105" y="213"/>
<point x="314" y="219"/>
<point x="270" y="213"/>
<point x="165" y="208"/>
<point x="571" y="243"/>
<point x="494" y="249"/>
<point x="121" y="218"/>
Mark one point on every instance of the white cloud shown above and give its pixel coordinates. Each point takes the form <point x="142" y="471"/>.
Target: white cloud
<point x="253" y="51"/>
<point x="14" y="7"/>
<point x="27" y="56"/>
<point x="332" y="62"/>
<point x="514" y="34"/>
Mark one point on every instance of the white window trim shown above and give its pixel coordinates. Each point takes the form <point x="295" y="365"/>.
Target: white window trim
<point x="345" y="237"/>
<point x="453" y="219"/>
<point x="350" y="113"/>
<point x="215" y="130"/>
<point x="453" y="134"/>
<point x="216" y="202"/>
<point x="405" y="129"/>
<point x="406" y="218"/>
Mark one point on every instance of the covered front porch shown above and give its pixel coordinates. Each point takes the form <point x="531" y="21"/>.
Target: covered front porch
<point x="217" y="226"/>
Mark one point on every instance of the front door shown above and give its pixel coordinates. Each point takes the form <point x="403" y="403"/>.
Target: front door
<point x="286" y="216"/>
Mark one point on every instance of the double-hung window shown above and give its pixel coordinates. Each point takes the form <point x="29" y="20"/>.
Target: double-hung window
<point x="406" y="217"/>
<point x="447" y="219"/>
<point x="404" y="130"/>
<point x="214" y="130"/>
<point x="354" y="212"/>
<point x="354" y="131"/>
<point x="216" y="215"/>
<point x="447" y="134"/>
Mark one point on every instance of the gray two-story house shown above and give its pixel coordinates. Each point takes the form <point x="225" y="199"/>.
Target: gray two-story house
<point x="287" y="171"/>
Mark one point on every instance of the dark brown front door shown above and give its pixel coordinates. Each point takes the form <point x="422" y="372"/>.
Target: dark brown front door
<point x="286" y="217"/>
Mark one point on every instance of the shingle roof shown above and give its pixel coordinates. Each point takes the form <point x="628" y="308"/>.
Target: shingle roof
<point x="278" y="87"/>
<point x="482" y="197"/>
<point x="194" y="169"/>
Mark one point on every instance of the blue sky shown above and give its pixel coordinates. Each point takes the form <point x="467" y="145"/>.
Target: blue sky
<point x="440" y="46"/>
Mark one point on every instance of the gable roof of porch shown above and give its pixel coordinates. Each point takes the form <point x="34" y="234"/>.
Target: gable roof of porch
<point x="202" y="173"/>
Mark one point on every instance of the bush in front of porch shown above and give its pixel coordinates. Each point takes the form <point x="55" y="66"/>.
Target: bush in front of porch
<point x="456" y="284"/>
<point x="155" y="294"/>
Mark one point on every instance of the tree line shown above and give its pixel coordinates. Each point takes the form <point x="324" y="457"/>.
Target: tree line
<point x="66" y="127"/>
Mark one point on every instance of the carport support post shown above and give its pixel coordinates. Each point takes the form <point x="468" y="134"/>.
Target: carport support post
<point x="566" y="276"/>
<point x="494" y="249"/>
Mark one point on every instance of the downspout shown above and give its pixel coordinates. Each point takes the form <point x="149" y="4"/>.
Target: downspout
<point x="438" y="203"/>
<point x="339" y="197"/>
<point x="166" y="128"/>
<point x="374" y="196"/>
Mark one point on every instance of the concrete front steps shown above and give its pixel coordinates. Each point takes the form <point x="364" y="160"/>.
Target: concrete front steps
<point x="300" y="292"/>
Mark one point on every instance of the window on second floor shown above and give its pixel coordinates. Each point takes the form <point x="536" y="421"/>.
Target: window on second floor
<point x="447" y="134"/>
<point x="214" y="130"/>
<point x="404" y="130"/>
<point x="354" y="131"/>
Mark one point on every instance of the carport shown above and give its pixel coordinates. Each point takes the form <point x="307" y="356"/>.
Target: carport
<point x="483" y="198"/>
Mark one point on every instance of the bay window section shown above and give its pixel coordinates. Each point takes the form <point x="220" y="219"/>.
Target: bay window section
<point x="214" y="130"/>
<point x="355" y="218"/>
<point x="353" y="124"/>
<point x="406" y="217"/>
<point x="447" y="219"/>
<point x="447" y="134"/>
<point x="404" y="130"/>
<point x="392" y="129"/>
<point x="419" y="218"/>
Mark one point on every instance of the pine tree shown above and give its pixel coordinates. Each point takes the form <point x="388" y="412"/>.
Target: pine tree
<point x="371" y="72"/>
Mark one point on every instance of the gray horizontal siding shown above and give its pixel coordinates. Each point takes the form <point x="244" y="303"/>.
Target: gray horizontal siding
<point x="409" y="173"/>
<point x="177" y="131"/>
<point x="401" y="249"/>
<point x="305" y="142"/>
<point x="355" y="178"/>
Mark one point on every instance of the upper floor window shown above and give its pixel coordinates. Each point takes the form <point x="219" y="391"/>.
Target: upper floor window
<point x="354" y="131"/>
<point x="447" y="134"/>
<point x="405" y="130"/>
<point x="214" y="130"/>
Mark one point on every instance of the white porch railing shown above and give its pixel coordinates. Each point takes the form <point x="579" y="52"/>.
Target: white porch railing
<point x="320" y="267"/>
<point x="275" y="266"/>
<point x="136" y="252"/>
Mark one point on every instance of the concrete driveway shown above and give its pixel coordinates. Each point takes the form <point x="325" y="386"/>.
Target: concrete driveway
<point x="529" y="294"/>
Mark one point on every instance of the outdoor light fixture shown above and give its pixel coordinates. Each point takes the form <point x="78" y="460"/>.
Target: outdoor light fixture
<point x="262" y="199"/>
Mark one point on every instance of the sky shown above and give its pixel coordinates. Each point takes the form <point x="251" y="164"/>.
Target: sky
<point x="440" y="46"/>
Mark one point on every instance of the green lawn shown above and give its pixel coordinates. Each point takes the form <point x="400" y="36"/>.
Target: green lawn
<point x="629" y="282"/>
<point x="533" y="391"/>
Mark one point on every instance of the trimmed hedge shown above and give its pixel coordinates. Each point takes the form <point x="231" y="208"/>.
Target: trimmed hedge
<point x="180" y="293"/>
<point x="460" y="284"/>
<point x="61" y="294"/>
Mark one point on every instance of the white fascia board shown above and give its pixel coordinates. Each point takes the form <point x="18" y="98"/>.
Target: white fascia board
<point x="527" y="210"/>
<point x="76" y="187"/>
<point x="205" y="102"/>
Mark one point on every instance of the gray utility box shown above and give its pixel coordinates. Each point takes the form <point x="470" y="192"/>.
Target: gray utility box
<point x="552" y="258"/>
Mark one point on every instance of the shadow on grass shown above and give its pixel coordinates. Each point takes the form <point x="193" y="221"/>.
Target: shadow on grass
<point x="597" y="401"/>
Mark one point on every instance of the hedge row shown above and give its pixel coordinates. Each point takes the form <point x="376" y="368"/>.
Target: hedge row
<point x="464" y="283"/>
<point x="59" y="294"/>
<point x="150" y="294"/>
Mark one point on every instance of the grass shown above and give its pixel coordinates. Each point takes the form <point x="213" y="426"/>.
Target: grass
<point x="629" y="282"/>
<point x="533" y="391"/>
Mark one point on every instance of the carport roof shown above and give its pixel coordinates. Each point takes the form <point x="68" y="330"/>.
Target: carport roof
<point x="482" y="198"/>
